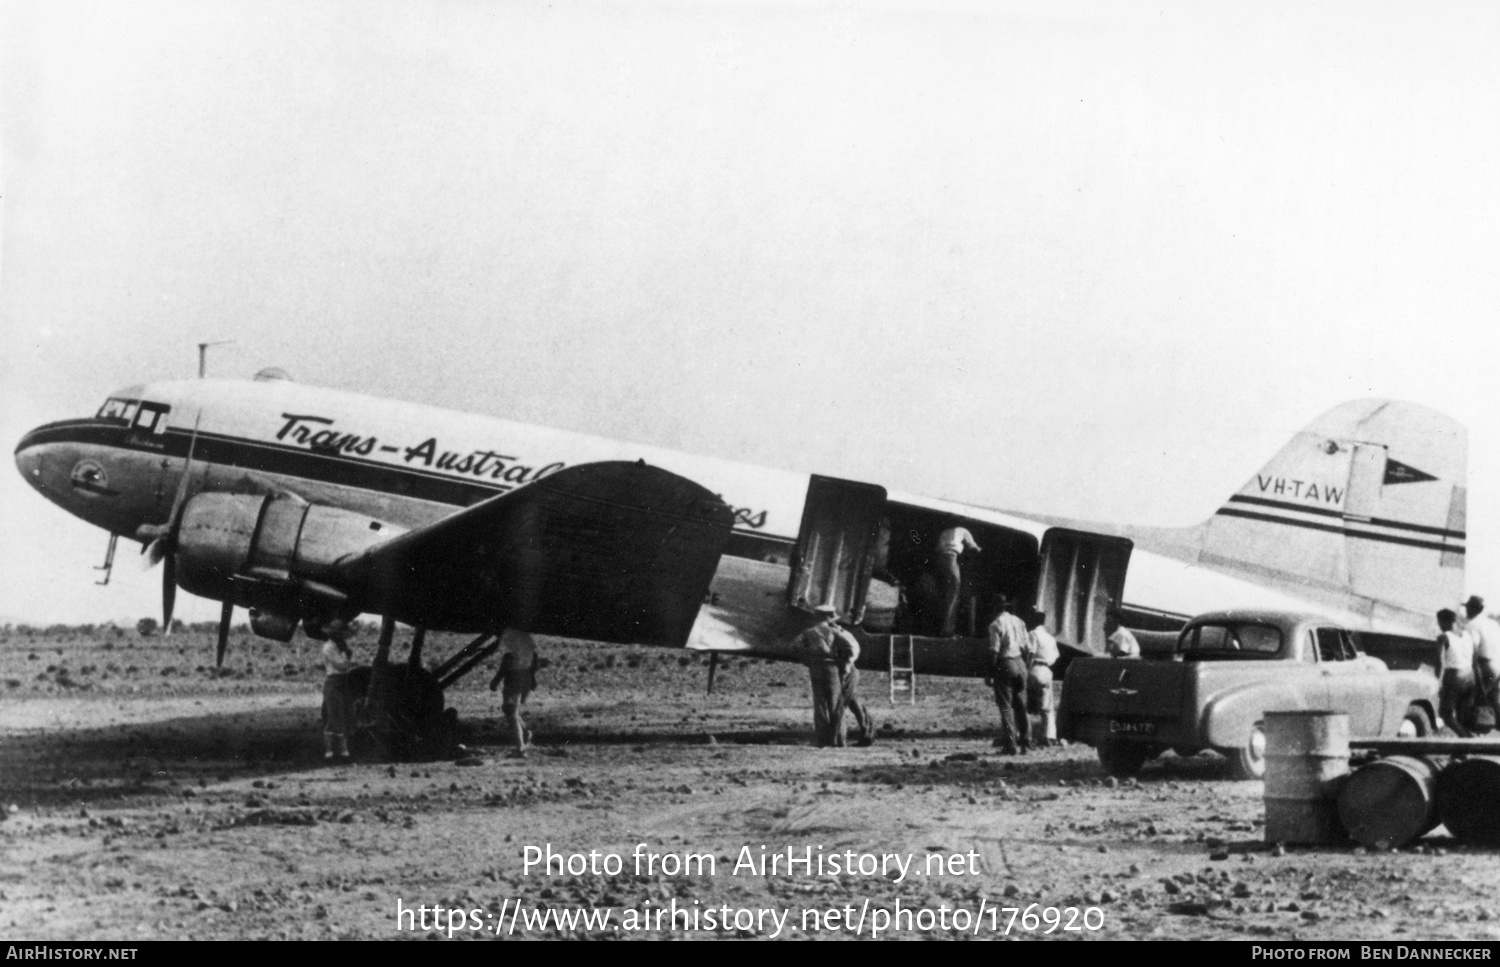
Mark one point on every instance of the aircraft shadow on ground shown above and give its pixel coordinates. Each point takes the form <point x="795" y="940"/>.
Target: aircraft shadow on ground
<point x="563" y="728"/>
<point x="156" y="758"/>
<point x="153" y="759"/>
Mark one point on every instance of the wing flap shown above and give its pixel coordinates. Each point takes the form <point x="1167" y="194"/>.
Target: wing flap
<point x="618" y="552"/>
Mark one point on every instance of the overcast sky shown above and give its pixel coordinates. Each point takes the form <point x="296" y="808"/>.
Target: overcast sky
<point x="1090" y="259"/>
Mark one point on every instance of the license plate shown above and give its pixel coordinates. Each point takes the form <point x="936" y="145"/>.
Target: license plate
<point x="1123" y="727"/>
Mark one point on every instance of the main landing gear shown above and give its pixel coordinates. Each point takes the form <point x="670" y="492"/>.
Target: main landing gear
<point x="400" y="708"/>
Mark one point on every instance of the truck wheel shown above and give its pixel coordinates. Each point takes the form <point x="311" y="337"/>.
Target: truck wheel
<point x="1123" y="759"/>
<point x="1416" y="725"/>
<point x="1249" y="761"/>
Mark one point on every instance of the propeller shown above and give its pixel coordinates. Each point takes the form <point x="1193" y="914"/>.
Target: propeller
<point x="163" y="547"/>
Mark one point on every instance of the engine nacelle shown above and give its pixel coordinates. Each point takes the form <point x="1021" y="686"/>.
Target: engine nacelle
<point x="273" y="552"/>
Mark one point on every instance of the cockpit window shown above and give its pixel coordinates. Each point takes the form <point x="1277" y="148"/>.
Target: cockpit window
<point x="1246" y="640"/>
<point x="113" y="409"/>
<point x="141" y="414"/>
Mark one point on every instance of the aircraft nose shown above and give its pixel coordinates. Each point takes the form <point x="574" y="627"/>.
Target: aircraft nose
<point x="29" y="459"/>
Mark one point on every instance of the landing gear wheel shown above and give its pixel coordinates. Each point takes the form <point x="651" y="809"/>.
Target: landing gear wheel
<point x="1123" y="759"/>
<point x="403" y="717"/>
<point x="1249" y="761"/>
<point x="1416" y="725"/>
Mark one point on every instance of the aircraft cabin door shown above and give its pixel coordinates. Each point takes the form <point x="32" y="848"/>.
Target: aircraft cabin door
<point x="836" y="546"/>
<point x="1082" y="577"/>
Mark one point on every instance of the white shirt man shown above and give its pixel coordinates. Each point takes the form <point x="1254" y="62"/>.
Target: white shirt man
<point x="956" y="540"/>
<point x="516" y="679"/>
<point x="1457" y="690"/>
<point x="1009" y="637"/>
<point x="1010" y="651"/>
<point x="1044" y="654"/>
<point x="1044" y="647"/>
<point x="1457" y="651"/>
<point x="951" y="544"/>
<point x="1121" y="643"/>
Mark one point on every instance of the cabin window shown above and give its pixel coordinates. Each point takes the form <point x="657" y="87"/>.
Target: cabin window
<point x="1330" y="644"/>
<point x="1210" y="638"/>
<point x="146" y="419"/>
<point x="1262" y="639"/>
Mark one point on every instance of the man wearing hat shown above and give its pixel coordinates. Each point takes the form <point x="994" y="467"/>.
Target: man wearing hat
<point x="1485" y="634"/>
<point x="830" y="653"/>
<point x="1010" y="652"/>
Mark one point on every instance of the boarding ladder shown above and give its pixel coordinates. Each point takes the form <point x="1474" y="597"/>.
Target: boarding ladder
<point x="902" y="669"/>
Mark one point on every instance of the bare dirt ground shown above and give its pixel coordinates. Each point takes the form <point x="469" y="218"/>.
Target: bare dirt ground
<point x="147" y="798"/>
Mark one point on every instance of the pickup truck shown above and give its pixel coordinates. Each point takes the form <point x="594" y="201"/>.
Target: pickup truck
<point x="1229" y="668"/>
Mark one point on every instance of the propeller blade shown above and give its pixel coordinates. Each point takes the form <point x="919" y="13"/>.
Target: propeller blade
<point x="168" y="591"/>
<point x="182" y="485"/>
<point x="164" y="548"/>
<point x="224" y="618"/>
<point x="163" y="537"/>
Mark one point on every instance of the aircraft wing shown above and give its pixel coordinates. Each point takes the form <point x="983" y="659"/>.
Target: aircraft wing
<point x="615" y="551"/>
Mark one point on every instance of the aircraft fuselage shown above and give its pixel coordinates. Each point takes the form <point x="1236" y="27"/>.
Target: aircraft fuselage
<point x="408" y="466"/>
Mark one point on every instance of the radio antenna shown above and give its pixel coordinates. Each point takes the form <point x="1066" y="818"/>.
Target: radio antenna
<point x="203" y="355"/>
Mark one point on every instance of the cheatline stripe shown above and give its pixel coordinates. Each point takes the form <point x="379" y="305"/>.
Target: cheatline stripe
<point x="338" y="469"/>
<point x="1322" y="512"/>
<point x="1345" y="530"/>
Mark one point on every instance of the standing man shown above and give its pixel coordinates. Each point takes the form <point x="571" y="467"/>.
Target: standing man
<point x="1044" y="654"/>
<point x="1010" y="650"/>
<point x="1456" y="659"/>
<point x="951" y="544"/>
<point x="338" y="702"/>
<point x="516" y="679"/>
<point x="830" y="653"/>
<point x="1121" y="643"/>
<point x="1485" y="634"/>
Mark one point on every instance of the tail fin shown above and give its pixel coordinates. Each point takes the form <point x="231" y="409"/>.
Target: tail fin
<point x="1364" y="508"/>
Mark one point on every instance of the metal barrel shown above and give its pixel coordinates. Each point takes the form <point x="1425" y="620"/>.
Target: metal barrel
<point x="1390" y="802"/>
<point x="1468" y="799"/>
<point x="1307" y="761"/>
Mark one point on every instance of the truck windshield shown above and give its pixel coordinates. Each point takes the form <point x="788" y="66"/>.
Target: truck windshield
<point x="1238" y="640"/>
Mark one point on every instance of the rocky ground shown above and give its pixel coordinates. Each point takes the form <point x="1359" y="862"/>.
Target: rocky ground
<point x="147" y="797"/>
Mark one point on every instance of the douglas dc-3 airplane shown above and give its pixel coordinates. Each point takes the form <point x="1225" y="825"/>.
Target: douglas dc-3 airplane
<point x="311" y="506"/>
